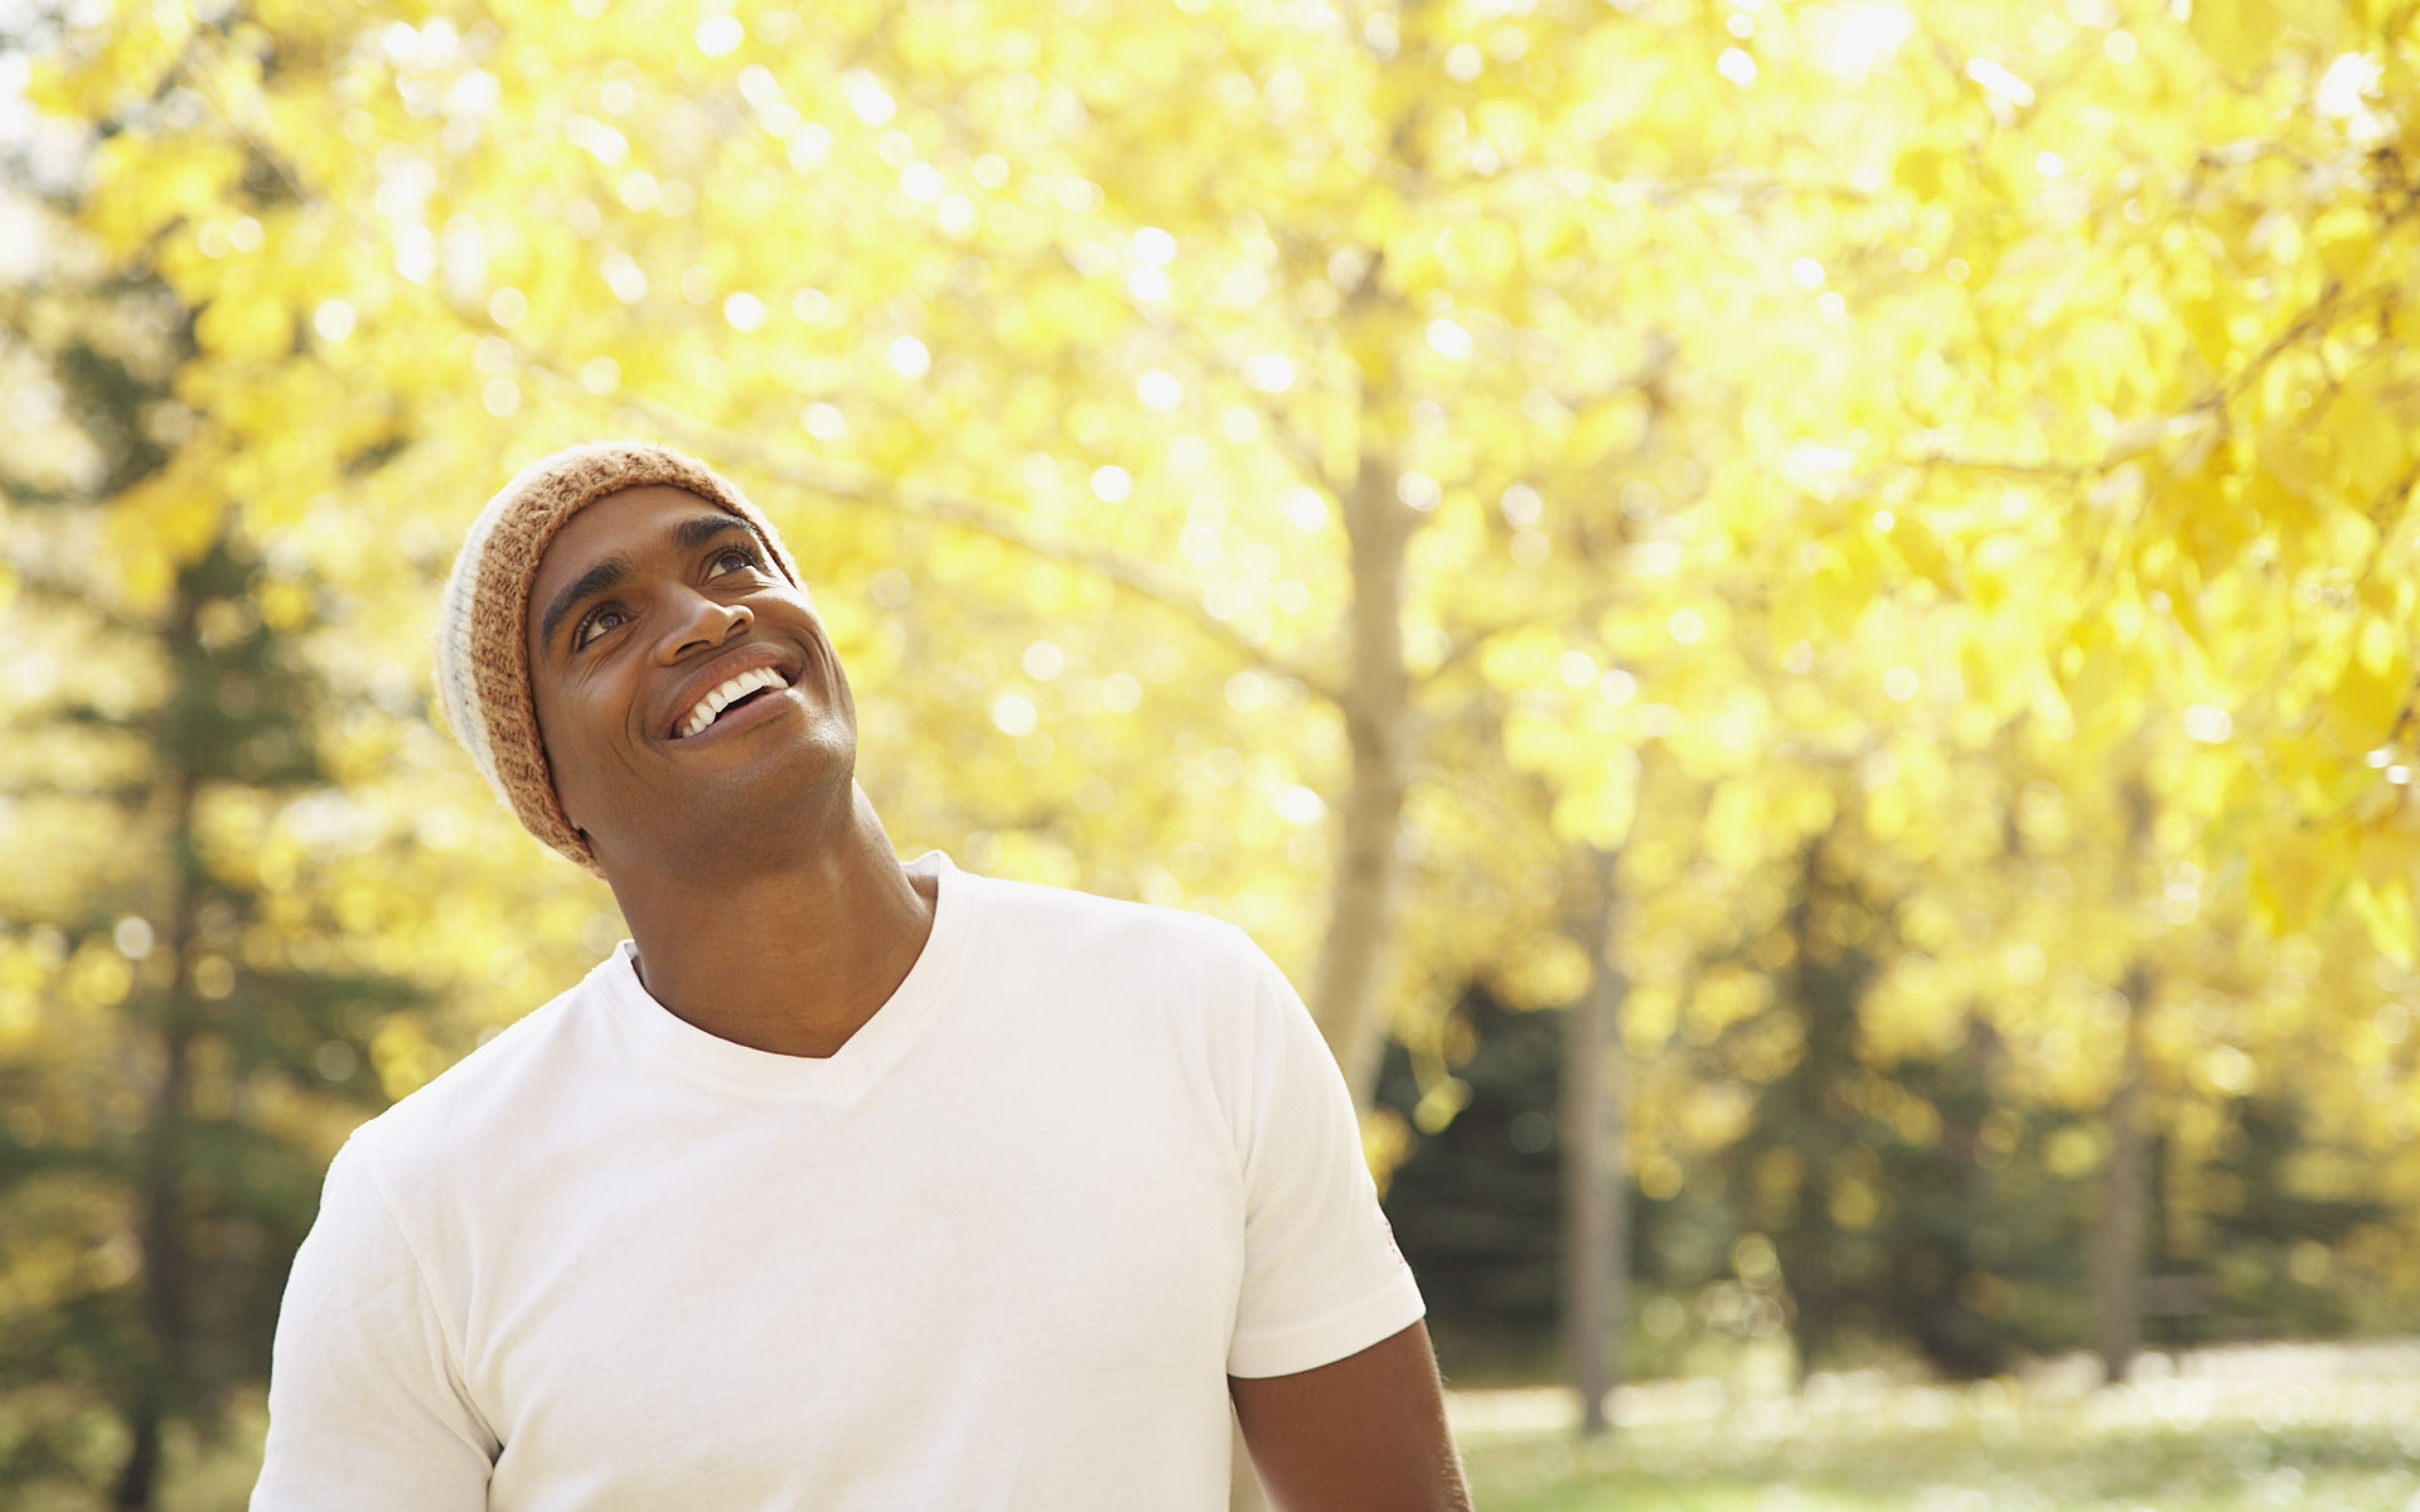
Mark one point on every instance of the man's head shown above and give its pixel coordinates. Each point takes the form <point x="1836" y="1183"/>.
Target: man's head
<point x="613" y="635"/>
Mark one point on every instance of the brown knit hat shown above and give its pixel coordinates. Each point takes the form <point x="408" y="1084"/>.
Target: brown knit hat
<point x="483" y="670"/>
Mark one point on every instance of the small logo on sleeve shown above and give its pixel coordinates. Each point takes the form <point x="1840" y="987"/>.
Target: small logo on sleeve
<point x="1392" y="1248"/>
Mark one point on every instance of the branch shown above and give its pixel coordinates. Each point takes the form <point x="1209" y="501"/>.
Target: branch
<point x="116" y="794"/>
<point x="1301" y="449"/>
<point x="1465" y="647"/>
<point x="254" y="132"/>
<point x="2023" y="467"/>
<point x="2332" y="303"/>
<point x="2212" y="404"/>
<point x="1136" y="573"/>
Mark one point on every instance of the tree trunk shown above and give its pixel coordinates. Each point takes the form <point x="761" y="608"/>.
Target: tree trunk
<point x="138" y="1477"/>
<point x="2117" y="1240"/>
<point x="1597" y="1186"/>
<point x="163" y="1282"/>
<point x="1357" y="957"/>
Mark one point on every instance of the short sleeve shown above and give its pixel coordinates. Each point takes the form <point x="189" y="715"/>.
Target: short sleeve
<point x="1322" y="1276"/>
<point x="366" y="1408"/>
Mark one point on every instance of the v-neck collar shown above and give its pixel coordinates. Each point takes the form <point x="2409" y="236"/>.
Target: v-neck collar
<point x="657" y="1036"/>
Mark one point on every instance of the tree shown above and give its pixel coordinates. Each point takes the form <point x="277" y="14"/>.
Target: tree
<point x="1390" y="452"/>
<point x="180" y="1057"/>
<point x="1596" y="1205"/>
<point x="1087" y="302"/>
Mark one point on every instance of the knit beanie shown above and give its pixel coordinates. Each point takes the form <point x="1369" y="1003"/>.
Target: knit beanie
<point x="483" y="665"/>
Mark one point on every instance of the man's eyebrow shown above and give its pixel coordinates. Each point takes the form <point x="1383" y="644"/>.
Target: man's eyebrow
<point x="699" y="529"/>
<point x="595" y="580"/>
<point x="688" y="535"/>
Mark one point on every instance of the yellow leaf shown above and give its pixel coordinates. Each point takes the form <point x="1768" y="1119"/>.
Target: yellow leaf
<point x="1600" y="816"/>
<point x="2362" y="705"/>
<point x="1609" y="425"/>
<point x="1796" y="614"/>
<point x="1921" y="550"/>
<point x="1838" y="597"/>
<point x="2367" y="436"/>
<point x="1546" y="970"/>
<point x="246" y="328"/>
<point x="1990" y="665"/>
<point x="2346" y="239"/>
<point x="2385" y="907"/>
<point x="2206" y="320"/>
<point x="1478" y="252"/>
<point x="2285" y="879"/>
<point x="2239" y="35"/>
<point x="1920" y="171"/>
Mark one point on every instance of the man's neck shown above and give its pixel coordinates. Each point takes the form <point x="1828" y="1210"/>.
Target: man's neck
<point x="791" y="959"/>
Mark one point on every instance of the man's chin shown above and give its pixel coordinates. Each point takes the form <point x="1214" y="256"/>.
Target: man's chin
<point x="729" y="818"/>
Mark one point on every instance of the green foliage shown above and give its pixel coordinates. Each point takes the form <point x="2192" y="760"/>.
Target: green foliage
<point x="177" y="1056"/>
<point x="177" y="1068"/>
<point x="1858" y="1211"/>
<point x="1888" y="1211"/>
<point x="1475" y="1203"/>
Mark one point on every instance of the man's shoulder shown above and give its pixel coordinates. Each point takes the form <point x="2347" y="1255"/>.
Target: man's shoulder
<point x="498" y="1083"/>
<point x="1054" y="918"/>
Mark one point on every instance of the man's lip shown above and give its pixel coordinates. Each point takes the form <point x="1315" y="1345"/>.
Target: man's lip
<point x="719" y="671"/>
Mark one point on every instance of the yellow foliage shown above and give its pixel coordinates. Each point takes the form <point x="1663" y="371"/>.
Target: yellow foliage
<point x="1981" y="471"/>
<point x="1547" y="971"/>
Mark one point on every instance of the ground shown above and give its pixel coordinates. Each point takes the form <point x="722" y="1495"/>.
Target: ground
<point x="2325" y="1427"/>
<point x="2317" y="1427"/>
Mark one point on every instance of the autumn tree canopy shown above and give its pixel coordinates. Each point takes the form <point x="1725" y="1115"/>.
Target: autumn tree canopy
<point x="1759" y="483"/>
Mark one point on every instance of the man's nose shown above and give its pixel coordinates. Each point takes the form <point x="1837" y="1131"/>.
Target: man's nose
<point x="702" y="622"/>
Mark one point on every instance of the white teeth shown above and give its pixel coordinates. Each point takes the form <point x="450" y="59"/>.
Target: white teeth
<point x="708" y="708"/>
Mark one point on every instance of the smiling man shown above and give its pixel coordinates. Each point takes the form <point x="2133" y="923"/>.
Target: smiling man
<point x="845" y="1184"/>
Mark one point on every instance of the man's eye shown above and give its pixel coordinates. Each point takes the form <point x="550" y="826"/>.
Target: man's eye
<point x="597" y="624"/>
<point x="732" y="559"/>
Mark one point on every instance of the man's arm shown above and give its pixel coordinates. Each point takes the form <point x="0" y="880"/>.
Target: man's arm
<point x="1366" y="1433"/>
<point x="363" y="1408"/>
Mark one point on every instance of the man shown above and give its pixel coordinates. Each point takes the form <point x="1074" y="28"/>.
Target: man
<point x="843" y="1184"/>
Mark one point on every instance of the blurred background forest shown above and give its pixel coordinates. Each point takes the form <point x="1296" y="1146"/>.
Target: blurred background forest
<point x="1794" y="616"/>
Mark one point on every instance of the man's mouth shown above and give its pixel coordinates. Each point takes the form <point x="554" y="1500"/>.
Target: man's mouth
<point x="743" y="688"/>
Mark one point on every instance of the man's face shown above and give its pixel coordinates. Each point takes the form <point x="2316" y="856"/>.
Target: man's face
<point x="686" y="693"/>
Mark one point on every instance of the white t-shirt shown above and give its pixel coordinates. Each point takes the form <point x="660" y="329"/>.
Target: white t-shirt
<point x="1001" y="1251"/>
